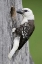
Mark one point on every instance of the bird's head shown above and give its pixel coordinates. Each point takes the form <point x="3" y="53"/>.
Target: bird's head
<point x="26" y="12"/>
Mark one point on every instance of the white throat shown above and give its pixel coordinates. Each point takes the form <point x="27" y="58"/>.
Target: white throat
<point x="25" y="19"/>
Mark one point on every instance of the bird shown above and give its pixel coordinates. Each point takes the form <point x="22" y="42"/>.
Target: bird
<point x="24" y="31"/>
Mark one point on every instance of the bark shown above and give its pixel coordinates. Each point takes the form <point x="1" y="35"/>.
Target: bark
<point x="6" y="37"/>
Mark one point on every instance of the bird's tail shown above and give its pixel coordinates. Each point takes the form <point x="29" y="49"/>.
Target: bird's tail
<point x="11" y="53"/>
<point x="15" y="47"/>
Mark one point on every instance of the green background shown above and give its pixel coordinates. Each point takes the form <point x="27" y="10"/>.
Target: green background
<point x="36" y="38"/>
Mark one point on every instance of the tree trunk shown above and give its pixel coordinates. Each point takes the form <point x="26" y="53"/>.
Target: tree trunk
<point x="22" y="57"/>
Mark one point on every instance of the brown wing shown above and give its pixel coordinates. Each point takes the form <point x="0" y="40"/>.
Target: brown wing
<point x="25" y="31"/>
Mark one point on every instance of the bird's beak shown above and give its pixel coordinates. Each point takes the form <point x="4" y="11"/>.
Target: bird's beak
<point x="20" y="11"/>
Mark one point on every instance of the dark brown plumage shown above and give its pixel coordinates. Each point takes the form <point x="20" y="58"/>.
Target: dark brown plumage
<point x="25" y="31"/>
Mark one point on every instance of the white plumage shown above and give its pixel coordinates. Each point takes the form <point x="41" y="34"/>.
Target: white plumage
<point x="15" y="47"/>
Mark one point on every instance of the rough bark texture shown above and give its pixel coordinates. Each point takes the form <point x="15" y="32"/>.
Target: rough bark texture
<point x="6" y="40"/>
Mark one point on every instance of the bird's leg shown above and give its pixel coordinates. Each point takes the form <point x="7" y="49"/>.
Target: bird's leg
<point x="15" y="47"/>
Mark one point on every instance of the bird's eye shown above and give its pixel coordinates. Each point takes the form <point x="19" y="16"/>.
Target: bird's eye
<point x="25" y="10"/>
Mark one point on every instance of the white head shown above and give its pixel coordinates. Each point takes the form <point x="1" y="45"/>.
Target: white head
<point x="26" y="12"/>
